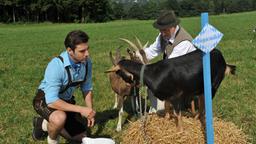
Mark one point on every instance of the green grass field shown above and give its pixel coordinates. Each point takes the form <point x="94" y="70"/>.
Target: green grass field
<point x="26" y="50"/>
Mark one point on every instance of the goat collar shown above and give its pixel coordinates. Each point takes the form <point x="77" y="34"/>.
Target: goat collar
<point x="142" y="74"/>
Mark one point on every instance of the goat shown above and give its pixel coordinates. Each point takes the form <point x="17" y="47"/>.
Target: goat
<point x="138" y="54"/>
<point x="122" y="85"/>
<point x="178" y="79"/>
<point x="121" y="88"/>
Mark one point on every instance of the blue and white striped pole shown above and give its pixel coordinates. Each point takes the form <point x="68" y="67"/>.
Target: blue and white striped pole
<point x="207" y="88"/>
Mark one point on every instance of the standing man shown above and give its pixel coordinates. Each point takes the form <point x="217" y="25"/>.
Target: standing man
<point x="172" y="41"/>
<point x="54" y="100"/>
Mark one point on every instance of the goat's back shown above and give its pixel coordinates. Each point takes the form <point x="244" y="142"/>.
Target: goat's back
<point x="184" y="74"/>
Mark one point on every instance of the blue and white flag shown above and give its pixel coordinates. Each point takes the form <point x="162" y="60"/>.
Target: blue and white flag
<point x="208" y="38"/>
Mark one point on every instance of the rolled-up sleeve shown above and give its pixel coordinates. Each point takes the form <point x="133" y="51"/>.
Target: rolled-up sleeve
<point x="53" y="80"/>
<point x="154" y="49"/>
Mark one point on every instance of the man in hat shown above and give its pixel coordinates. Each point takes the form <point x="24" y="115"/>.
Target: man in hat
<point x="172" y="41"/>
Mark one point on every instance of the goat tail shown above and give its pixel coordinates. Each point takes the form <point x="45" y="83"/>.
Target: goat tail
<point x="230" y="69"/>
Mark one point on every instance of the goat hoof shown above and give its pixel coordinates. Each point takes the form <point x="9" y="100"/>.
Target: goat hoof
<point x="168" y="116"/>
<point x="118" y="129"/>
<point x="180" y="129"/>
<point x="161" y="113"/>
<point x="115" y="106"/>
<point x="196" y="116"/>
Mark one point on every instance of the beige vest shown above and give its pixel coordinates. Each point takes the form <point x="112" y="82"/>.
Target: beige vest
<point x="180" y="36"/>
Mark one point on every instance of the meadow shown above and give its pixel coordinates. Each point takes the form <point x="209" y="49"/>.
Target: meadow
<point x="25" y="50"/>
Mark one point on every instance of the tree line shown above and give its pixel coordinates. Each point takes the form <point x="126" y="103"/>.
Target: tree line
<point x="84" y="11"/>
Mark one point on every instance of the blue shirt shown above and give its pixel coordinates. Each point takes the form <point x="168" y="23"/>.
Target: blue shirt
<point x="56" y="78"/>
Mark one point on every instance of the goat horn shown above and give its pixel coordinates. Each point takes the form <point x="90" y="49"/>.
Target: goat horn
<point x="113" y="69"/>
<point x="139" y="43"/>
<point x="130" y="43"/>
<point x="145" y="45"/>
<point x="118" y="55"/>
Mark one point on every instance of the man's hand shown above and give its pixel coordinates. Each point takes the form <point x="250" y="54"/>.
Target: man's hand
<point x="89" y="113"/>
<point x="90" y="122"/>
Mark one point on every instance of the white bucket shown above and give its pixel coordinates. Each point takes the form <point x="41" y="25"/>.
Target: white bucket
<point x="87" y="140"/>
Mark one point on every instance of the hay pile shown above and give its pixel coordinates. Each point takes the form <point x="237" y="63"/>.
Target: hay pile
<point x="163" y="131"/>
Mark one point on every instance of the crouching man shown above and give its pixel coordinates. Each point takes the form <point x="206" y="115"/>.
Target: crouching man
<point x="54" y="101"/>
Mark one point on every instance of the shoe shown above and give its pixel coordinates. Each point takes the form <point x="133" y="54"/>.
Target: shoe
<point x="38" y="133"/>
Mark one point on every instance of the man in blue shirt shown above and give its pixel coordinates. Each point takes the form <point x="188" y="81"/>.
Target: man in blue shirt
<point x="54" y="101"/>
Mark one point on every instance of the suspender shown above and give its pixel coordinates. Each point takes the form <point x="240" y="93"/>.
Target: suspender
<point x="70" y="83"/>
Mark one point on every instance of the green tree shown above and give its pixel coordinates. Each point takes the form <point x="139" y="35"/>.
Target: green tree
<point x="245" y="5"/>
<point x="151" y="10"/>
<point x="11" y="5"/>
<point x="84" y="6"/>
<point x="135" y="12"/>
<point x="253" y="4"/>
<point x="187" y="8"/>
<point x="118" y="10"/>
<point x="53" y="8"/>
<point x="36" y="8"/>
<point x="71" y="11"/>
<point x="98" y="10"/>
<point x="173" y="5"/>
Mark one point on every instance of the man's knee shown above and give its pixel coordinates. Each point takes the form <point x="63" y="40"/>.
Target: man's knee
<point x="58" y="118"/>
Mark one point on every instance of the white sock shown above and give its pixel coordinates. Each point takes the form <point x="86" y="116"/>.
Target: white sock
<point x="44" y="125"/>
<point x="51" y="141"/>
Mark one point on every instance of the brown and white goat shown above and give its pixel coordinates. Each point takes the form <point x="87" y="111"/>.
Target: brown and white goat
<point x="123" y="88"/>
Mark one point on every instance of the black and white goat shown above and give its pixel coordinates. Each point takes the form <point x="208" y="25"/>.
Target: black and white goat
<point x="179" y="79"/>
<point x="138" y="54"/>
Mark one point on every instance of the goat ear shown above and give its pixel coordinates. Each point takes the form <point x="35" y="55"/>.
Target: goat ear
<point x="144" y="57"/>
<point x="129" y="51"/>
<point x="113" y="69"/>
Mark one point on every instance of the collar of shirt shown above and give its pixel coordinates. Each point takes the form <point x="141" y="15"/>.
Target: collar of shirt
<point x="171" y="40"/>
<point x="73" y="64"/>
<point x="68" y="61"/>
